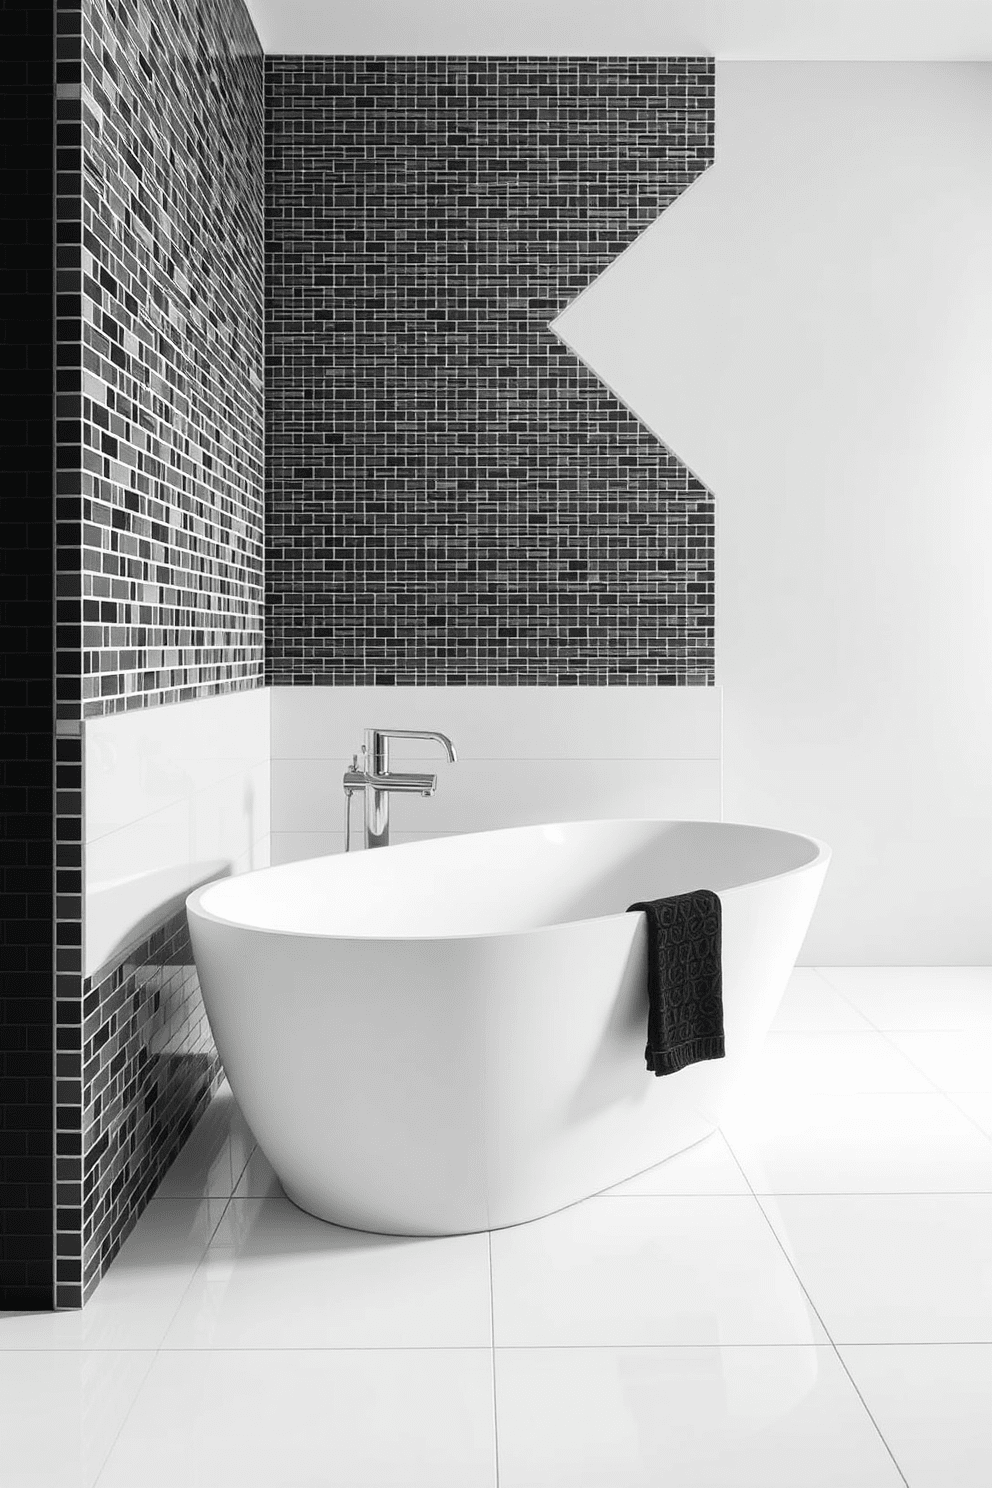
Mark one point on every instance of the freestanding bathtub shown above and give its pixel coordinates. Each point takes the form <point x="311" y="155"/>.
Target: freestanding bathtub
<point x="449" y="1035"/>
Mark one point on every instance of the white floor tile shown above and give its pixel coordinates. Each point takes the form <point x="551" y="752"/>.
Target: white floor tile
<point x="933" y="1405"/>
<point x="258" y="1181"/>
<point x="647" y="1271"/>
<point x="137" y="1299"/>
<point x="917" y="996"/>
<point x="952" y="1059"/>
<point x="278" y="1278"/>
<point x="811" y="1004"/>
<point x="707" y="1168"/>
<point x="976" y="1106"/>
<point x="892" y="1143"/>
<point x="214" y="1157"/>
<point x="317" y="1419"/>
<point x="60" y="1413"/>
<point x="831" y="1063"/>
<point x="294" y="1352"/>
<point x="893" y="1268"/>
<point x="685" y="1417"/>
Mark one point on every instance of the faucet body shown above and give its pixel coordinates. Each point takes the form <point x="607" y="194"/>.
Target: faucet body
<point x="377" y="782"/>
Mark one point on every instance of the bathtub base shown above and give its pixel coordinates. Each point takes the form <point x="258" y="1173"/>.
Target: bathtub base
<point x="500" y="1212"/>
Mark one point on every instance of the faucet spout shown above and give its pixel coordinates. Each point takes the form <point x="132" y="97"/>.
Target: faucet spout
<point x="373" y="736"/>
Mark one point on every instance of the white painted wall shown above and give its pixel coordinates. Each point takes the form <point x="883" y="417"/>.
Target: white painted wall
<point x="174" y="796"/>
<point x="525" y="755"/>
<point x="751" y="29"/>
<point x="810" y="329"/>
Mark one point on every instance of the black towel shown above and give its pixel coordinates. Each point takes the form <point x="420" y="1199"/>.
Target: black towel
<point x="685" y="988"/>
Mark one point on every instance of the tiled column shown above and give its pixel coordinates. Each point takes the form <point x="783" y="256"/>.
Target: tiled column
<point x="26" y="316"/>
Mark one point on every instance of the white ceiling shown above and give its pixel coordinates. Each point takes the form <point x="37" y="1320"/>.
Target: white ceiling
<point x="731" y="30"/>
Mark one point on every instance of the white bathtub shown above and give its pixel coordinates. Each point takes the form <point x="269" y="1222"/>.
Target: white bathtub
<point x="449" y="1036"/>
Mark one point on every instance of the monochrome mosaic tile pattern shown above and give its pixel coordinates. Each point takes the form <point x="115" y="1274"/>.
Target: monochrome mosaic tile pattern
<point x="453" y="497"/>
<point x="136" y="1068"/>
<point x="26" y="672"/>
<point x="159" y="525"/>
<point x="160" y="353"/>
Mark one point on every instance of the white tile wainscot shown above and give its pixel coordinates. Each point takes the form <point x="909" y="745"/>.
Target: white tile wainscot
<point x="173" y="796"/>
<point x="525" y="755"/>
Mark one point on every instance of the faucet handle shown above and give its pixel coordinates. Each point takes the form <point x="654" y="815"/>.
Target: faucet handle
<point x="354" y="778"/>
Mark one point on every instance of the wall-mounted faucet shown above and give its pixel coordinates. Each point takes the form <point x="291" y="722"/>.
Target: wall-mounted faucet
<point x="377" y="783"/>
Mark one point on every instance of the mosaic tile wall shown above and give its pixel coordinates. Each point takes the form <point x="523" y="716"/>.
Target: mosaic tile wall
<point x="453" y="497"/>
<point x="160" y="441"/>
<point x="26" y="689"/>
<point x="148" y="1068"/>
<point x="159" y="523"/>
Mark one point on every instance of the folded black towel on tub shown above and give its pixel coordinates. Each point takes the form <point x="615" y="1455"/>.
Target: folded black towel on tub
<point x="685" y="985"/>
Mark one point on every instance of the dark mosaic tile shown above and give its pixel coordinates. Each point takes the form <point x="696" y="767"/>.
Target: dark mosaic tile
<point x="159" y="410"/>
<point x="146" y="1070"/>
<point x="26" y="764"/>
<point x="452" y="496"/>
<point x="136" y="1067"/>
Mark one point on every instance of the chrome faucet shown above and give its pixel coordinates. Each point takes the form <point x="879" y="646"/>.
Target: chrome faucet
<point x="376" y="781"/>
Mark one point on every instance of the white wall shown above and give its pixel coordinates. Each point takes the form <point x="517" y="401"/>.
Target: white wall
<point x="741" y="29"/>
<point x="525" y="754"/>
<point x="174" y="796"/>
<point x="810" y="329"/>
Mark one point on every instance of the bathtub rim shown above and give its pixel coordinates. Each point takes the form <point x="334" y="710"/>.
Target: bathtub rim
<point x="194" y="905"/>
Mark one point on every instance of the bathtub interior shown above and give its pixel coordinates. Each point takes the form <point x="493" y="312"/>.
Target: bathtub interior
<point x="507" y="881"/>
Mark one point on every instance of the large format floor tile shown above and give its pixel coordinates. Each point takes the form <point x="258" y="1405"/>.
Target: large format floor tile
<point x="137" y="1299"/>
<point x="215" y="1155"/>
<point x="897" y="1142"/>
<point x="917" y="996"/>
<point x="258" y="1181"/>
<point x="832" y="1063"/>
<point x="278" y="1278"/>
<point x="612" y="1271"/>
<point x="955" y="1060"/>
<point x="976" y="1105"/>
<point x="933" y="1405"/>
<point x="315" y="1419"/>
<point x="686" y="1417"/>
<point x="60" y="1413"/>
<point x="812" y="1005"/>
<point x="709" y="1167"/>
<point x="893" y="1268"/>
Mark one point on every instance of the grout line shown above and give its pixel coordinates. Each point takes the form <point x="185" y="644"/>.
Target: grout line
<point x="94" y="1482"/>
<point x="816" y="1313"/>
<point x="244" y="1169"/>
<point x="715" y="1193"/>
<point x="810" y="1193"/>
<point x="939" y="1089"/>
<point x="207" y="791"/>
<point x="334" y="760"/>
<point x="716" y="631"/>
<point x="854" y="1386"/>
<point x="158" y="1348"/>
<point x="479" y="1348"/>
<point x="492" y="1357"/>
<point x="172" y="1316"/>
<point x="885" y="1032"/>
<point x="966" y="1114"/>
<point x="823" y="972"/>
